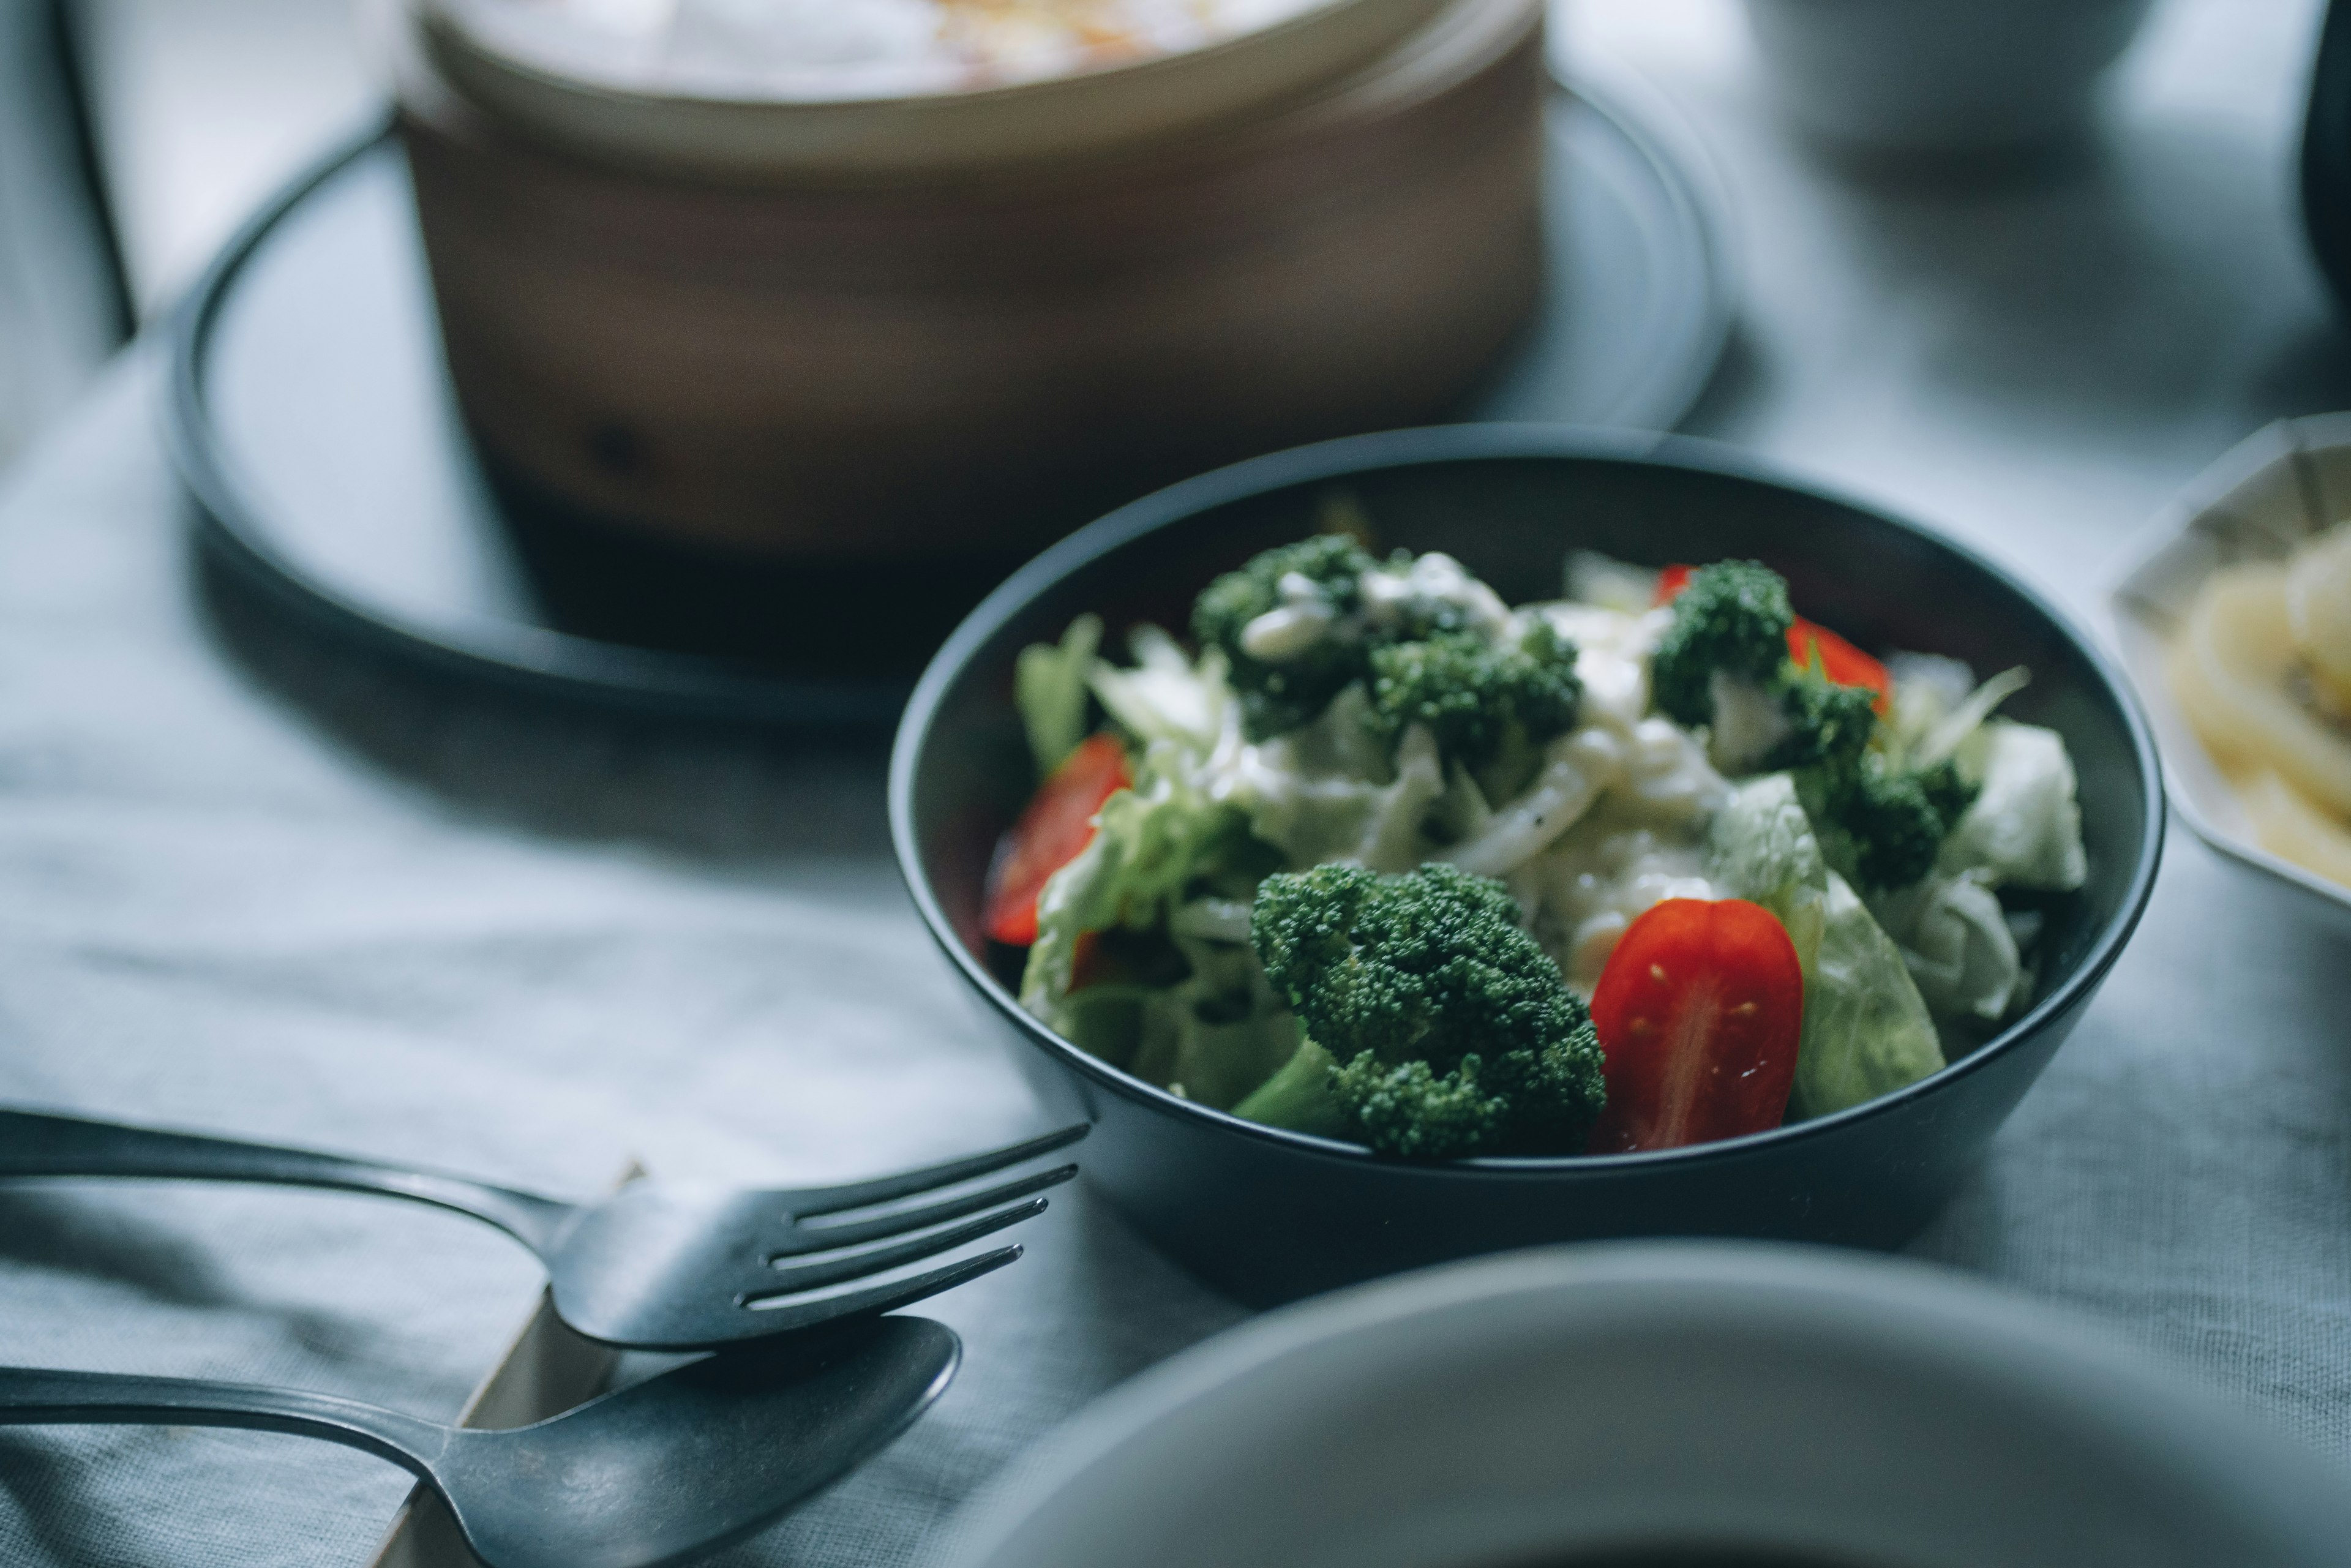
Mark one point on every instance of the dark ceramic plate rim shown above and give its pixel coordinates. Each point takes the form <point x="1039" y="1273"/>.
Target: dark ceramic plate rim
<point x="563" y="664"/>
<point x="1475" y="443"/>
<point x="537" y="659"/>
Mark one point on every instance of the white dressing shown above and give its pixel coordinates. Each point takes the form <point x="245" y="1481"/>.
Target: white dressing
<point x="1599" y="878"/>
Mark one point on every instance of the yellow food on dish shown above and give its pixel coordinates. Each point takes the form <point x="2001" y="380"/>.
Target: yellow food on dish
<point x="2288" y="826"/>
<point x="2259" y="669"/>
<point x="2318" y="613"/>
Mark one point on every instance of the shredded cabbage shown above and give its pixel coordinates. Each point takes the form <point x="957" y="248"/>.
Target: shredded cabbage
<point x="2024" y="828"/>
<point x="1149" y="843"/>
<point x="1165" y="696"/>
<point x="1959" y="947"/>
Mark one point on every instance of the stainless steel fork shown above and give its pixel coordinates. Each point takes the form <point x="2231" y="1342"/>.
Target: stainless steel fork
<point x="658" y="1265"/>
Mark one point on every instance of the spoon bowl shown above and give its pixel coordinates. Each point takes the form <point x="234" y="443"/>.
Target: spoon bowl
<point x="660" y="1472"/>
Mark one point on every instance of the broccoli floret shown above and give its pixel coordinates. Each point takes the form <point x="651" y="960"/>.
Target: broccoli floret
<point x="1888" y="824"/>
<point x="1829" y="726"/>
<point x="1949" y="793"/>
<point x="1409" y="1109"/>
<point x="1475" y="696"/>
<point x="1733" y="616"/>
<point x="1449" y="1032"/>
<point x="1278" y="695"/>
<point x="1882" y="825"/>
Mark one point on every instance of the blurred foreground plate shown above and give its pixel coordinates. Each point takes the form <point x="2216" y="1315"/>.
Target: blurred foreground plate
<point x="311" y="417"/>
<point x="2277" y="487"/>
<point x="1682" y="1405"/>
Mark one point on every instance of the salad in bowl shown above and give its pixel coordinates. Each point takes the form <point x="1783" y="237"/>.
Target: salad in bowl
<point x="1382" y="858"/>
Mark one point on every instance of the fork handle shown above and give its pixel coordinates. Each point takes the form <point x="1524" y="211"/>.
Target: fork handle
<point x="33" y="1144"/>
<point x="33" y="1397"/>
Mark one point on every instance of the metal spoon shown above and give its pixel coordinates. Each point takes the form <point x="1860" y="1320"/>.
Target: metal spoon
<point x="660" y="1472"/>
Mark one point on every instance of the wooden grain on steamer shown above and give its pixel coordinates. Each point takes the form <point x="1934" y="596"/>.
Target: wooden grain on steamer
<point x="950" y="367"/>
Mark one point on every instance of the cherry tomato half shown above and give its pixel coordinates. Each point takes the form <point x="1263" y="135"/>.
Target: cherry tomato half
<point x="1698" y="1012"/>
<point x="1054" y="829"/>
<point x="1841" y="662"/>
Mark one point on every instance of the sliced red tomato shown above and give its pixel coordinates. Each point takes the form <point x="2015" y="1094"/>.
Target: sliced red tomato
<point x="1056" y="826"/>
<point x="1698" y="1013"/>
<point x="1841" y="662"/>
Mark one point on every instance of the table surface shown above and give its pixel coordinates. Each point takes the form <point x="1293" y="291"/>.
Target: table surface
<point x="252" y="884"/>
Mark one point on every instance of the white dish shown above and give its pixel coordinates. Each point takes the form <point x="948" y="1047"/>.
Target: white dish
<point x="1545" y="1407"/>
<point x="2268" y="494"/>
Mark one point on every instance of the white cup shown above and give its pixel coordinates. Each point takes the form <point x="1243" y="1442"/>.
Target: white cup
<point x="1940" y="76"/>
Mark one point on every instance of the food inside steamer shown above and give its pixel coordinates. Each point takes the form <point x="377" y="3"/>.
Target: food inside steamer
<point x="796" y="49"/>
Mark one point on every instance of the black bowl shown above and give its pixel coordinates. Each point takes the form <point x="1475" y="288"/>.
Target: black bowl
<point x="1269" y="1215"/>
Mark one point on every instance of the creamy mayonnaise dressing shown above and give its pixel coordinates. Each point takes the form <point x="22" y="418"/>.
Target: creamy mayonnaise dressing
<point x="1614" y="821"/>
<point x="866" y="48"/>
<point x="1599" y="878"/>
<point x="1432" y="582"/>
<point x="1643" y="840"/>
<point x="1388" y="596"/>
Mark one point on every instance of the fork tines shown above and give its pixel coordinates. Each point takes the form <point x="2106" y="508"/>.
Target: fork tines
<point x="821" y="1247"/>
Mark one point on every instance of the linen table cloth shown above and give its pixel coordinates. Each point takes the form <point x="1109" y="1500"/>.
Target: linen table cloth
<point x="254" y="883"/>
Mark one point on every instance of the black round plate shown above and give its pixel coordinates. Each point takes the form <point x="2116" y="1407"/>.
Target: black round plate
<point x="312" y="418"/>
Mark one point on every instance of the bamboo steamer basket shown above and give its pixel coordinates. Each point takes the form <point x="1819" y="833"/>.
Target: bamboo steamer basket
<point x="886" y="341"/>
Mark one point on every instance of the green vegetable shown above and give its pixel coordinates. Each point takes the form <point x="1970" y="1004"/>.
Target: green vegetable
<point x="1884" y="827"/>
<point x="1732" y="617"/>
<point x="1449" y="1031"/>
<point x="1867" y="1028"/>
<point x="1829" y="726"/>
<point x="1328" y="791"/>
<point x="2024" y="826"/>
<point x="1956" y="938"/>
<point x="1476" y="696"/>
<point x="1165" y="696"/>
<point x="1151" y="843"/>
<point x="1218" y="1033"/>
<point x="1280" y="696"/>
<point x="1049" y="687"/>
<point x="1299" y="1096"/>
<point x="1760" y="847"/>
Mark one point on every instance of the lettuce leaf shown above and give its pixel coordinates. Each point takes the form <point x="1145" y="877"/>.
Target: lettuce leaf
<point x="1165" y="696"/>
<point x="1219" y="1033"/>
<point x="2024" y="828"/>
<point x="1049" y="687"/>
<point x="1150" y="842"/>
<point x="1956" y="940"/>
<point x="1761" y="848"/>
<point x="1867" y="1030"/>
